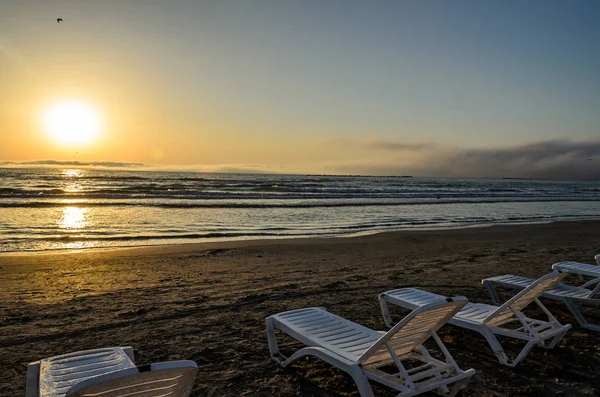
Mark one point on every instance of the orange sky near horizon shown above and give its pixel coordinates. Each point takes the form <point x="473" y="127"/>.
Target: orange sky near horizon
<point x="138" y="124"/>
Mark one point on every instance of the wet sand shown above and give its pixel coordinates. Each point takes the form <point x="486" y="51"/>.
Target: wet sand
<point x="208" y="302"/>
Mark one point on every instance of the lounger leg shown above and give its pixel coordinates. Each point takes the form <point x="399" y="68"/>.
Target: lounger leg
<point x="273" y="347"/>
<point x="385" y="311"/>
<point x="493" y="293"/>
<point x="496" y="347"/>
<point x="456" y="388"/>
<point x="579" y="316"/>
<point x="555" y="340"/>
<point x="361" y="380"/>
<point x="499" y="350"/>
<point x="523" y="353"/>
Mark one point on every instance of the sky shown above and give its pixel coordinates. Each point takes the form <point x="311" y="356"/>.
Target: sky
<point x="427" y="88"/>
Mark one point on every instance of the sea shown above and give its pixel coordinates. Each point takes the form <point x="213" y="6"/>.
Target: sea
<point x="74" y="208"/>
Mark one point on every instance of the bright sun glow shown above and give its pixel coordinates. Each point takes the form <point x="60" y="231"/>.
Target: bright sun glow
<point x="71" y="123"/>
<point x="73" y="218"/>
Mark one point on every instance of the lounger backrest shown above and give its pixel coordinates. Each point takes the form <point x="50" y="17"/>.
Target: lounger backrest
<point x="174" y="378"/>
<point x="523" y="298"/>
<point x="413" y="330"/>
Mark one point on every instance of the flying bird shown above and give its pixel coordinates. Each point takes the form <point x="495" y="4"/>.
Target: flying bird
<point x="59" y="20"/>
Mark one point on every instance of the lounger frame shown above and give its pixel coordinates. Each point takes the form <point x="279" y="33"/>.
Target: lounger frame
<point x="490" y="321"/>
<point x="433" y="374"/>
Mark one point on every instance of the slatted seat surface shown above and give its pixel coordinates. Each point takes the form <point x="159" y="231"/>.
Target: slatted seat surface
<point x="317" y="327"/>
<point x="172" y="378"/>
<point x="58" y="374"/>
<point x="411" y="298"/>
<point x="559" y="291"/>
<point x="578" y="268"/>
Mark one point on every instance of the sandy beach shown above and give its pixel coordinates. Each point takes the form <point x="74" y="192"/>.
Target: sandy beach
<point x="208" y="302"/>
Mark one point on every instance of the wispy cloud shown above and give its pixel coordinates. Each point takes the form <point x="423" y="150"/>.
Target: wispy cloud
<point x="59" y="163"/>
<point x="399" y="146"/>
<point x="218" y="168"/>
<point x="229" y="168"/>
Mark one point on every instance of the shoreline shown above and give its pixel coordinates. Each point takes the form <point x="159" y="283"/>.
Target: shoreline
<point x="281" y="238"/>
<point x="207" y="302"/>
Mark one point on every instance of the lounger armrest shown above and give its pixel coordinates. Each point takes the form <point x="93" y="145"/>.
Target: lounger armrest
<point x="32" y="388"/>
<point x="497" y="279"/>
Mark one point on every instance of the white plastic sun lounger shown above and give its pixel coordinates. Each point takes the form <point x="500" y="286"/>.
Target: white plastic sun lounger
<point x="362" y="352"/>
<point x="109" y="372"/>
<point x="570" y="295"/>
<point x="491" y="320"/>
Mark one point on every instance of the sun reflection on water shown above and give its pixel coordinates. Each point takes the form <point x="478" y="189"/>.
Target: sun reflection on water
<point x="73" y="201"/>
<point x="73" y="188"/>
<point x="73" y="173"/>
<point x="78" y="245"/>
<point x="72" y="176"/>
<point x="73" y="219"/>
<point x="72" y="222"/>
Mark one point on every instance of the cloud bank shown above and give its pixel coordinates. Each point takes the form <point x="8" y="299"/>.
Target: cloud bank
<point x="557" y="159"/>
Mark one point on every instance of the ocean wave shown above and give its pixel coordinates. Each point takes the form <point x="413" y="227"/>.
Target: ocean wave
<point x="178" y="191"/>
<point x="76" y="238"/>
<point x="282" y="204"/>
<point x="125" y="208"/>
<point x="276" y="232"/>
<point x="41" y="185"/>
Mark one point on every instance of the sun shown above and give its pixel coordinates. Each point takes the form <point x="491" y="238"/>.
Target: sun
<point x="71" y="123"/>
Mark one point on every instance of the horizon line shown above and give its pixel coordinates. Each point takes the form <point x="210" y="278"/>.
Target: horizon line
<point x="144" y="167"/>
